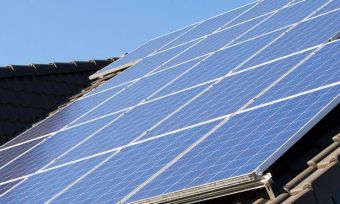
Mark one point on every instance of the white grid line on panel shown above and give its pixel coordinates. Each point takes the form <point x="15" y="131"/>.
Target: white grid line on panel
<point x="325" y="13"/>
<point x="108" y="89"/>
<point x="311" y="17"/>
<point x="7" y="191"/>
<point x="82" y="177"/>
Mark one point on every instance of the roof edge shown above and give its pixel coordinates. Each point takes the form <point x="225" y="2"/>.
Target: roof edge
<point x="10" y="71"/>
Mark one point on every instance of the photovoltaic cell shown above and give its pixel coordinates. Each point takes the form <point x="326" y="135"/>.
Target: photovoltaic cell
<point x="136" y="93"/>
<point x="107" y="86"/>
<point x="240" y="146"/>
<point x="129" y="127"/>
<point x="49" y="150"/>
<point x="208" y="26"/>
<point x="147" y="49"/>
<point x="319" y="30"/>
<point x="329" y="7"/>
<point x="6" y="187"/>
<point x="131" y="167"/>
<point x="189" y="64"/>
<point x="219" y="64"/>
<point x="41" y="187"/>
<point x="285" y="17"/>
<point x="214" y="42"/>
<point x="6" y="155"/>
<point x="228" y="95"/>
<point x="320" y="70"/>
<point x="147" y="65"/>
<point x="262" y="8"/>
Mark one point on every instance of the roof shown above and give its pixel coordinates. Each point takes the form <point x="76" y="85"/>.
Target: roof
<point x="213" y="115"/>
<point x="31" y="92"/>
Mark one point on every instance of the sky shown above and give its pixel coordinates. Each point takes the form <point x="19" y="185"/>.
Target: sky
<point x="43" y="31"/>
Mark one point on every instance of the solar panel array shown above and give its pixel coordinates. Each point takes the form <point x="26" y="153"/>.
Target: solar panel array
<point x="218" y="100"/>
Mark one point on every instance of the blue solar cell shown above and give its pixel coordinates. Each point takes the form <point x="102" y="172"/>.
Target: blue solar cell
<point x="210" y="25"/>
<point x="130" y="126"/>
<point x="147" y="65"/>
<point x="62" y="118"/>
<point x="214" y="42"/>
<point x="228" y="95"/>
<point x="320" y="70"/>
<point x="318" y="30"/>
<point x="128" y="169"/>
<point x="240" y="146"/>
<point x="285" y="17"/>
<point x="7" y="155"/>
<point x="147" y="49"/>
<point x="5" y="187"/>
<point x="49" y="150"/>
<point x="137" y="92"/>
<point x="262" y="8"/>
<point x="329" y="7"/>
<point x="218" y="64"/>
<point x="41" y="187"/>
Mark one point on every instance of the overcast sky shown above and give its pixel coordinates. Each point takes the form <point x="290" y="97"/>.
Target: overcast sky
<point x="41" y="31"/>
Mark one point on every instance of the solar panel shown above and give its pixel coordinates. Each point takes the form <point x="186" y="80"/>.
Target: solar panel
<point x="209" y="106"/>
<point x="210" y="25"/>
<point x="148" y="48"/>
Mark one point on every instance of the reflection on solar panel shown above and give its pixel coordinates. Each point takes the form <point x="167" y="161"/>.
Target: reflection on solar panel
<point x="203" y="110"/>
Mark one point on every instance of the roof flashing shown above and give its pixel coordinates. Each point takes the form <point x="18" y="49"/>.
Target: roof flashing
<point x="114" y="70"/>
